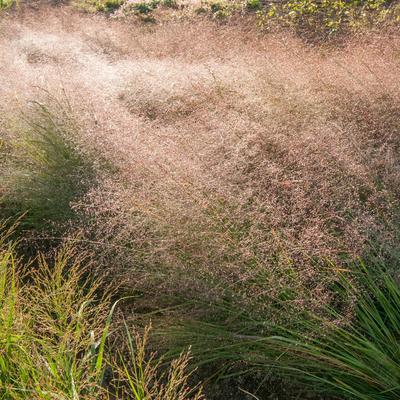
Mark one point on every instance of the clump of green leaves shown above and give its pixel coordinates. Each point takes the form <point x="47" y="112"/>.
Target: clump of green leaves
<point x="170" y="3"/>
<point x="108" y="5"/>
<point x="144" y="7"/>
<point x="359" y="359"/>
<point x="253" y="4"/>
<point x="329" y="16"/>
<point x="7" y="3"/>
<point x="218" y="9"/>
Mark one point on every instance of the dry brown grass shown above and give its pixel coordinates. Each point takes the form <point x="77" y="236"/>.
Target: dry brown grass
<point x="236" y="158"/>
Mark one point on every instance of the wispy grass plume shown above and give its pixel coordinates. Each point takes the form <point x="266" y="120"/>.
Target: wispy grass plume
<point x="349" y="353"/>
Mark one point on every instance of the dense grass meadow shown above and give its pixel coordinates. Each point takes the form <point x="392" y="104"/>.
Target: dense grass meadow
<point x="199" y="200"/>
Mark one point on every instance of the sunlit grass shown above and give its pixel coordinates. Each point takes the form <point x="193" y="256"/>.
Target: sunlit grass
<point x="50" y="322"/>
<point x="44" y="172"/>
<point x="349" y="353"/>
<point x="142" y="376"/>
<point x="54" y="330"/>
<point x="234" y="169"/>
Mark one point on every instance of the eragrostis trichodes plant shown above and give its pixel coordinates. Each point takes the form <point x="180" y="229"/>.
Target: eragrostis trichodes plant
<point x="352" y="353"/>
<point x="216" y="167"/>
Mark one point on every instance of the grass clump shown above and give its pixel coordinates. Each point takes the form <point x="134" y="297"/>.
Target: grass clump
<point x="44" y="172"/>
<point x="358" y="359"/>
<point x="54" y="337"/>
<point x="145" y="377"/>
<point x="122" y="6"/>
<point x="170" y="3"/>
<point x="220" y="9"/>
<point x="348" y="351"/>
<point x="254" y="4"/>
<point x="237" y="166"/>
<point x="48" y="330"/>
<point x="144" y="8"/>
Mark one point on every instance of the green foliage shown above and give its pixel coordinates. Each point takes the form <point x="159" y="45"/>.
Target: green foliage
<point x="144" y="376"/>
<point x="143" y="8"/>
<point x="349" y="351"/>
<point x="108" y="5"/>
<point x="54" y="331"/>
<point x="218" y="9"/>
<point x="44" y="172"/>
<point x="329" y="16"/>
<point x="215" y="7"/>
<point x="170" y="3"/>
<point x="318" y="18"/>
<point x="7" y="3"/>
<point x="253" y="4"/>
<point x="358" y="359"/>
<point x="49" y="322"/>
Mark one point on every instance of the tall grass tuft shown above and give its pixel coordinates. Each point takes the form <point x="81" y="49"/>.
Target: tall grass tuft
<point x="44" y="171"/>
<point x="54" y="330"/>
<point x="142" y="376"/>
<point x="350" y="352"/>
<point x="50" y="318"/>
<point x="359" y="360"/>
